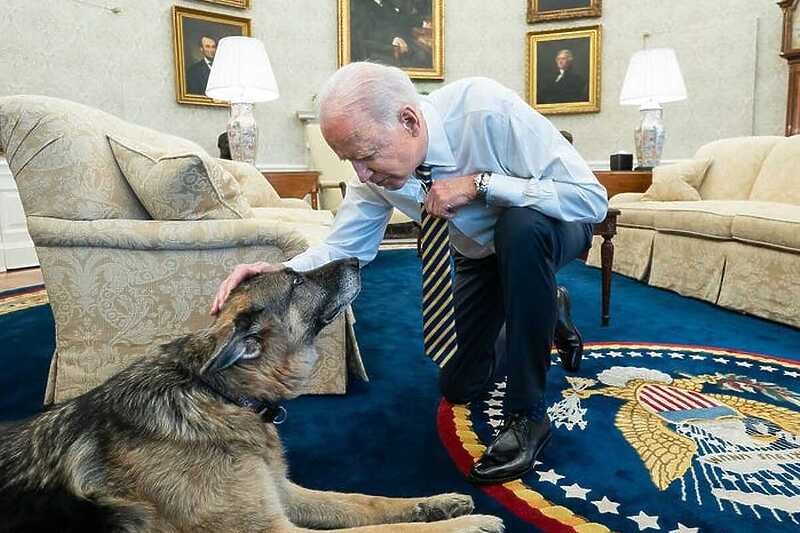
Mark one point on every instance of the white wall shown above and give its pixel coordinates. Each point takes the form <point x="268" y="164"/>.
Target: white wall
<point x="123" y="64"/>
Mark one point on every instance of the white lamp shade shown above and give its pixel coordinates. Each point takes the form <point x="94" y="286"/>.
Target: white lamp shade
<point x="653" y="76"/>
<point x="241" y="72"/>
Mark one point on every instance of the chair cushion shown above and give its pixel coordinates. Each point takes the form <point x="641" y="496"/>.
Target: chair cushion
<point x="255" y="187"/>
<point x="735" y="163"/>
<point x="179" y="186"/>
<point x="778" y="180"/>
<point x="770" y="224"/>
<point x="293" y="215"/>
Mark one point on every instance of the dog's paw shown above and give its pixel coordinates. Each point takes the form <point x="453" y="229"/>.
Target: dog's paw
<point x="442" y="507"/>
<point x="475" y="524"/>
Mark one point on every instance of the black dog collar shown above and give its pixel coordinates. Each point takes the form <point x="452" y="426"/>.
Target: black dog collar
<point x="269" y="412"/>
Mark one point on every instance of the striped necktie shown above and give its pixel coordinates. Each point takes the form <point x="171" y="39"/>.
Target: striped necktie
<point x="438" y="318"/>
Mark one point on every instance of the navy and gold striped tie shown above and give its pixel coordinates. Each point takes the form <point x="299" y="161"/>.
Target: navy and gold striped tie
<point x="438" y="317"/>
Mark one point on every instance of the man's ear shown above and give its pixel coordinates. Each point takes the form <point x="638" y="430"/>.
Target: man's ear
<point x="237" y="346"/>
<point x="409" y="119"/>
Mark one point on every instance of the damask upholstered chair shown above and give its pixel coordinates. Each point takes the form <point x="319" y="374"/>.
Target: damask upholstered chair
<point x="135" y="229"/>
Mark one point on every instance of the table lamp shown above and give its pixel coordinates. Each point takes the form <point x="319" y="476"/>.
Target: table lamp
<point x="653" y="78"/>
<point x="242" y="75"/>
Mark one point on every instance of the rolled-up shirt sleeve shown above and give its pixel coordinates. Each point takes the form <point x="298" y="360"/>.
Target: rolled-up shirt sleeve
<point x="542" y="170"/>
<point x="358" y="229"/>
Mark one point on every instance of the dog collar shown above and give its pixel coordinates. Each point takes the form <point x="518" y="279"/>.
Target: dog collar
<point x="269" y="412"/>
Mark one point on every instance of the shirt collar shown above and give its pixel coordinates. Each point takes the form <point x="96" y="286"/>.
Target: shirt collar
<point x="439" y="153"/>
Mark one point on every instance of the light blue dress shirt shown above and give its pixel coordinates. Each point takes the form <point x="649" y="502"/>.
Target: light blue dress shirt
<point x="474" y="125"/>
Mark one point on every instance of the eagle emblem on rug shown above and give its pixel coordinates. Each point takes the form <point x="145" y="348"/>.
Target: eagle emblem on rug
<point x="664" y="448"/>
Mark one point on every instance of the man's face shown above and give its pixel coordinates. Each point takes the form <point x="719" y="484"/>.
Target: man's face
<point x="208" y="47"/>
<point x="384" y="157"/>
<point x="563" y="61"/>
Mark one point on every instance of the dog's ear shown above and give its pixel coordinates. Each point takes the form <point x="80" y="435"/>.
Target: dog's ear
<point x="238" y="345"/>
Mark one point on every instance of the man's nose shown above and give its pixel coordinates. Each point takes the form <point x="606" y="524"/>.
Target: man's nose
<point x="362" y="171"/>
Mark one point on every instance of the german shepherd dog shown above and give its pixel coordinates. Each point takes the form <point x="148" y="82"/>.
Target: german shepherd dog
<point x="184" y="438"/>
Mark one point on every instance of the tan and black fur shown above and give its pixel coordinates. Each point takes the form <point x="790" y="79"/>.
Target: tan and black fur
<point x="156" y="448"/>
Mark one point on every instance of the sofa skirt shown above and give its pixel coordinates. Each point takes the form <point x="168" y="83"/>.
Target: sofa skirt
<point x="762" y="281"/>
<point x="632" y="250"/>
<point x="690" y="266"/>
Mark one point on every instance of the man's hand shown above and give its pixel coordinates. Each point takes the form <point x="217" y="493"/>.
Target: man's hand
<point x="239" y="274"/>
<point x="448" y="194"/>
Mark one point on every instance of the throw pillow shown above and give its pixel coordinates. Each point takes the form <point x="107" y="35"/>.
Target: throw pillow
<point x="179" y="186"/>
<point x="677" y="182"/>
<point x="255" y="186"/>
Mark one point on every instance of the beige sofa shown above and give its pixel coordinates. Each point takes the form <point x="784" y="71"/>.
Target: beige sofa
<point x="738" y="247"/>
<point x="120" y="281"/>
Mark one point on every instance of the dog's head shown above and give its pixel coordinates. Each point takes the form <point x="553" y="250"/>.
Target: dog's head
<point x="264" y="333"/>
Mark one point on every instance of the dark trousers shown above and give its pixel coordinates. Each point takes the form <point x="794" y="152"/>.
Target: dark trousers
<point x="516" y="286"/>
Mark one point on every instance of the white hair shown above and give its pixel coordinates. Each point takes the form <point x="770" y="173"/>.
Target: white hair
<point x="378" y="91"/>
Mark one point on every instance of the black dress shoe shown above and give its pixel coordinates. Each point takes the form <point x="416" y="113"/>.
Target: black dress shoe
<point x="513" y="451"/>
<point x="568" y="340"/>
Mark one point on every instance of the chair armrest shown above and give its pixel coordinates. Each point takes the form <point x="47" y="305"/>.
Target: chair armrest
<point x="166" y="235"/>
<point x="625" y="198"/>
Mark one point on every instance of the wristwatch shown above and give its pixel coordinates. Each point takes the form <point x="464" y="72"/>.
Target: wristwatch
<point x="482" y="184"/>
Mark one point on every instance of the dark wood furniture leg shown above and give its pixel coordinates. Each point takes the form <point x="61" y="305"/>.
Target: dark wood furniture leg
<point x="607" y="229"/>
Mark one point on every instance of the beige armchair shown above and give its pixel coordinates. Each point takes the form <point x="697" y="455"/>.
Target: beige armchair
<point x="119" y="281"/>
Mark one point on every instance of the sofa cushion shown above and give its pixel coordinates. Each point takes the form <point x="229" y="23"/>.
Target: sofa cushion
<point x="706" y="218"/>
<point x="778" y="180"/>
<point x="677" y="182"/>
<point x="255" y="187"/>
<point x="179" y="186"/>
<point x="735" y="163"/>
<point x="770" y="224"/>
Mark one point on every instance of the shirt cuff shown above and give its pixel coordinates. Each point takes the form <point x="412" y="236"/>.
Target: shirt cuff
<point x="508" y="191"/>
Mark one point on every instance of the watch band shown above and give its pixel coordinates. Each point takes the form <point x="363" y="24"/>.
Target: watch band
<point x="482" y="184"/>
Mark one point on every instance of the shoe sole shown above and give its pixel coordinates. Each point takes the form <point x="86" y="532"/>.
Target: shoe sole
<point x="499" y="481"/>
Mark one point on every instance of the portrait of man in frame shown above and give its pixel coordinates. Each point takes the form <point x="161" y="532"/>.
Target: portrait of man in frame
<point x="196" y="35"/>
<point x="543" y="10"/>
<point x="564" y="70"/>
<point x="402" y="33"/>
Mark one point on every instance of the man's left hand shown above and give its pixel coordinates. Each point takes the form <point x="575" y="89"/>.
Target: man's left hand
<point x="448" y="194"/>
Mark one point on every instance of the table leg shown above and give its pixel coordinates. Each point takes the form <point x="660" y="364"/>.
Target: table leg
<point x="606" y="260"/>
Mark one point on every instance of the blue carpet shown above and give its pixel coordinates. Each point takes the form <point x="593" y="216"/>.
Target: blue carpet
<point x="382" y="437"/>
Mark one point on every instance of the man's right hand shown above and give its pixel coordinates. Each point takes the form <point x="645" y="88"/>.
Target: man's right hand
<point x="239" y="274"/>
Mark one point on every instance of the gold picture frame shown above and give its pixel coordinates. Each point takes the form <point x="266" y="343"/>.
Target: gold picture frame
<point x="241" y="4"/>
<point x="563" y="70"/>
<point x="190" y="28"/>
<point x="413" y="41"/>
<point x="546" y="10"/>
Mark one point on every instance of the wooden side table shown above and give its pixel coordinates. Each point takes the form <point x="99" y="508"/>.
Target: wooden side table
<point x="617" y="181"/>
<point x="607" y="229"/>
<point x="295" y="184"/>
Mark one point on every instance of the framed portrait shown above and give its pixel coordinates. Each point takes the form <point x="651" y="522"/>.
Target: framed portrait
<point x="540" y="10"/>
<point x="404" y="33"/>
<point x="563" y="71"/>
<point x="196" y="34"/>
<point x="241" y="4"/>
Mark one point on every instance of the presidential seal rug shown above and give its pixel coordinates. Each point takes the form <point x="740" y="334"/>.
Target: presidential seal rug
<point x="382" y="436"/>
<point x="653" y="437"/>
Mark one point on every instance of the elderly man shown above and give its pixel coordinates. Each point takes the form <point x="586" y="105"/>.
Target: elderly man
<point x="516" y="201"/>
<point x="197" y="74"/>
<point x="565" y="85"/>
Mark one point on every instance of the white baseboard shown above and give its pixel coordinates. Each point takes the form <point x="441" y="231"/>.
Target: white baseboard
<point x="266" y="167"/>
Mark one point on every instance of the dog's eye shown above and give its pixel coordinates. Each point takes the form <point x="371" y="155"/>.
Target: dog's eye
<point x="297" y="281"/>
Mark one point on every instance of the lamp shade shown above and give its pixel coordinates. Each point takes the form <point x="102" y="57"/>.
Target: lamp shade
<point x="241" y="72"/>
<point x="653" y="76"/>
